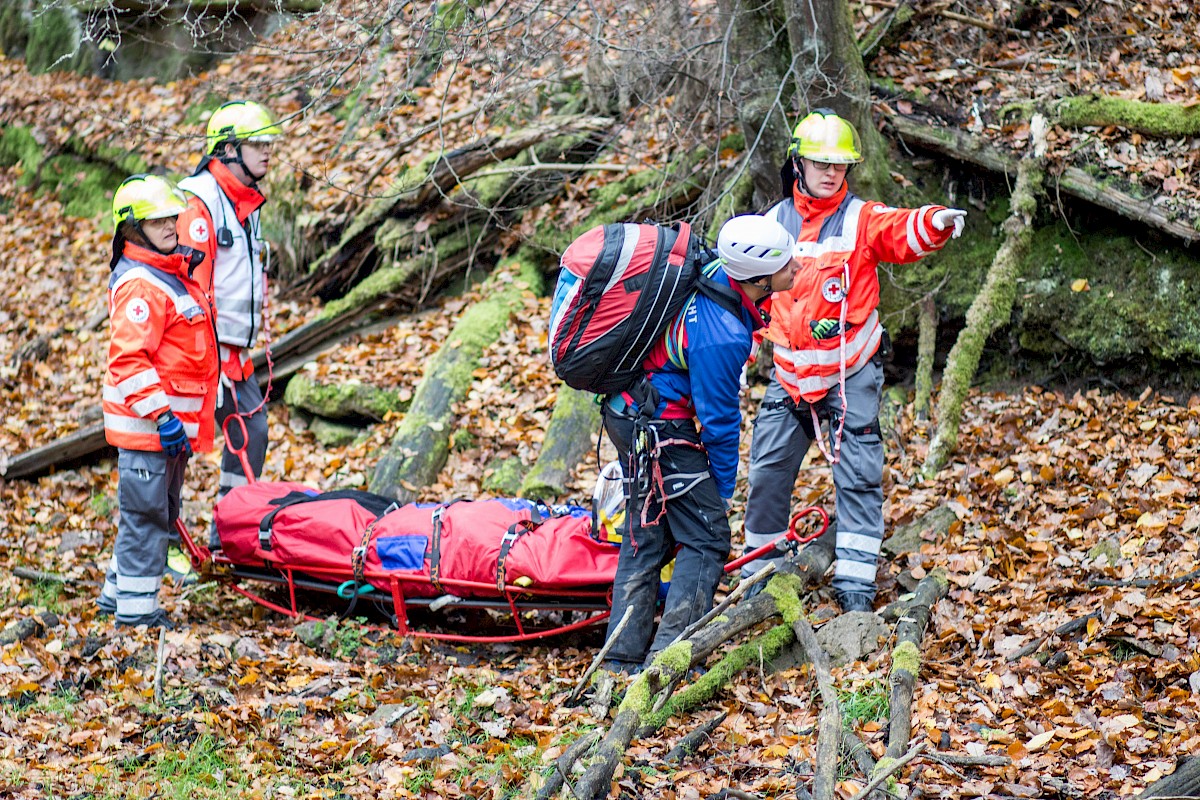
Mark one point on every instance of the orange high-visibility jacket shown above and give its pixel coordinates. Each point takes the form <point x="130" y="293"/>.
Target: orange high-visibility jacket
<point x="233" y="272"/>
<point x="163" y="352"/>
<point x="840" y="241"/>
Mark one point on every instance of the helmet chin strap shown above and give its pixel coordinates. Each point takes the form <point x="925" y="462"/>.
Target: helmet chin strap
<point x="237" y="159"/>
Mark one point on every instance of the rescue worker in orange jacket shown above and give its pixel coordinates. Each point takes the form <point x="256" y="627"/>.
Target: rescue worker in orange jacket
<point x="222" y="221"/>
<point x="827" y="335"/>
<point x="160" y="389"/>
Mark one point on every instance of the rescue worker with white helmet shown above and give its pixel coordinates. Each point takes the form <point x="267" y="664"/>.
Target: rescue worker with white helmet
<point x="160" y="387"/>
<point x="827" y="336"/>
<point x="693" y="376"/>
<point x="223" y="222"/>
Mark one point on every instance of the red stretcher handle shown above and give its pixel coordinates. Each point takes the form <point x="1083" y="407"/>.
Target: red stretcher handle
<point x="240" y="452"/>
<point x="791" y="534"/>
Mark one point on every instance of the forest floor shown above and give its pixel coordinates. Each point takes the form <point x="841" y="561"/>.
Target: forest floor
<point x="1053" y="491"/>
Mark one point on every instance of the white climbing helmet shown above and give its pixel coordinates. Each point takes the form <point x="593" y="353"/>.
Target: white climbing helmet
<point x="754" y="246"/>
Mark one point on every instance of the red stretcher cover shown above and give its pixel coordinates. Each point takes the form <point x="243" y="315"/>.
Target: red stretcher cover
<point x="466" y="548"/>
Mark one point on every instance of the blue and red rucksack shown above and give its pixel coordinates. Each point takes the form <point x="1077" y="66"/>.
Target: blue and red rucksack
<point x="619" y="287"/>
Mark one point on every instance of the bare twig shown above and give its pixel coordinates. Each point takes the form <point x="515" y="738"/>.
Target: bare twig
<point x="738" y="591"/>
<point x="1066" y="629"/>
<point x="158" y="666"/>
<point x="830" y="725"/>
<point x="564" y="763"/>
<point x="691" y="743"/>
<point x="962" y="760"/>
<point x="1146" y="583"/>
<point x="573" y="698"/>
<point x="890" y="769"/>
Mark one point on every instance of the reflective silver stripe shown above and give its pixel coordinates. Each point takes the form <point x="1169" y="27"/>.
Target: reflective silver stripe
<point x="857" y="541"/>
<point x="143" y="407"/>
<point x="868" y="334"/>
<point x="854" y="569"/>
<point x="787" y="377"/>
<point x="754" y="540"/>
<point x="227" y="327"/>
<point x="922" y="230"/>
<point x="236" y="305"/>
<point x="231" y="480"/>
<point x="844" y="242"/>
<point x="138" y="584"/>
<point x="109" y="591"/>
<point x="147" y="377"/>
<point x="185" y="405"/>
<point x="184" y="303"/>
<point x="133" y="607"/>
<point x="192" y="429"/>
<point x="910" y="229"/>
<point x="123" y="424"/>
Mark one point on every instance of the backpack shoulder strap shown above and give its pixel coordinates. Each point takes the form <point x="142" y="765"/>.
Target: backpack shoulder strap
<point x="721" y="293"/>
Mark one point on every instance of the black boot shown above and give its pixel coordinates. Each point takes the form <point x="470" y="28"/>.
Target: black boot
<point x="856" y="601"/>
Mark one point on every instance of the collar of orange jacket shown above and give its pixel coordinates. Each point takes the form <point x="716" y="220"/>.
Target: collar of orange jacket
<point x="176" y="263"/>
<point x="811" y="207"/>
<point x="246" y="199"/>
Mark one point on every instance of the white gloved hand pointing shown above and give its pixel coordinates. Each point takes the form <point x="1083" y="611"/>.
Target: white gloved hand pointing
<point x="950" y="216"/>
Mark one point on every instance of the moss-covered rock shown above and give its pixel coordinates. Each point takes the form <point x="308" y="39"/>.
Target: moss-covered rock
<point x="333" y="434"/>
<point x="344" y="400"/>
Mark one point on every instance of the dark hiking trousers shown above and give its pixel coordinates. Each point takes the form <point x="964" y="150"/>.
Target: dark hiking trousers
<point x="694" y="519"/>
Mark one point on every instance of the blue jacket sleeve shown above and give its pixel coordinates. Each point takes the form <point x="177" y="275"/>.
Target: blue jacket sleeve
<point x="718" y="345"/>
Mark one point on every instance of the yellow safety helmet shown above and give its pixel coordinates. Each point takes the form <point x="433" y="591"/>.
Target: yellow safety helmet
<point x="141" y="197"/>
<point x="240" y="121"/>
<point x="825" y="137"/>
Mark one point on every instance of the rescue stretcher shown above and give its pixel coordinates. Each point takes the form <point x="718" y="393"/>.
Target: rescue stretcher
<point x="535" y="570"/>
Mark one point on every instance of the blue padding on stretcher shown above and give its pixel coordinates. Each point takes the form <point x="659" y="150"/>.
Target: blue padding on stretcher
<point x="402" y="552"/>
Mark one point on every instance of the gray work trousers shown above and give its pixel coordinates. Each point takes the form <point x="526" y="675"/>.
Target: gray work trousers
<point x="248" y="397"/>
<point x="782" y="435"/>
<point x="148" y="490"/>
<point x="694" y="518"/>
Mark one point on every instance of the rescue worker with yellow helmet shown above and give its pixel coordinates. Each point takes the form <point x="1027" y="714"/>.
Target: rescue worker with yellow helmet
<point x="160" y="387"/>
<point x="827" y="336"/>
<point x="223" y="222"/>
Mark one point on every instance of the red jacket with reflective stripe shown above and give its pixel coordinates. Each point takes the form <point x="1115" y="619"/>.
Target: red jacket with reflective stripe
<point x="839" y="239"/>
<point x="163" y="351"/>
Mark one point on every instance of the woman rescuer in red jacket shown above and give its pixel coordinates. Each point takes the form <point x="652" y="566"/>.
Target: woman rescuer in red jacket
<point x="160" y="389"/>
<point x="826" y="335"/>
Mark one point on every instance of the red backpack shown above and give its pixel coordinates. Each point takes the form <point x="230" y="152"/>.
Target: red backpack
<point x="619" y="287"/>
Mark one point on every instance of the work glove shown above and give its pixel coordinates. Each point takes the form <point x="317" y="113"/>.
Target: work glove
<point x="825" y="328"/>
<point x="950" y="216"/>
<point x="170" y="433"/>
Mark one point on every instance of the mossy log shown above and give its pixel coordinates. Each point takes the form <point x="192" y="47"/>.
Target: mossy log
<point x="570" y="436"/>
<point x="422" y="442"/>
<point x="962" y="146"/>
<point x="1152" y="119"/>
<point x="906" y="659"/>
<point x="991" y="308"/>
<point x="649" y="703"/>
<point x="927" y="325"/>
<point x="424" y="187"/>
<point x="343" y="400"/>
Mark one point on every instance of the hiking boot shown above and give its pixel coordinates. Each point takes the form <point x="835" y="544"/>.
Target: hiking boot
<point x="158" y="619"/>
<point x="856" y="601"/>
<point x="621" y="668"/>
<point x="179" y="567"/>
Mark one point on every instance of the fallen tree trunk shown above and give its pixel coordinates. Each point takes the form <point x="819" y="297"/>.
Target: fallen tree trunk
<point x="962" y="146"/>
<point x="829" y="725"/>
<point x="1183" y="782"/>
<point x="990" y="309"/>
<point x="906" y="661"/>
<point x="570" y="436"/>
<point x="425" y="187"/>
<point x="422" y="442"/>
<point x="649" y="703"/>
<point x="927" y="324"/>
